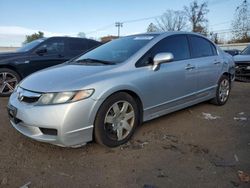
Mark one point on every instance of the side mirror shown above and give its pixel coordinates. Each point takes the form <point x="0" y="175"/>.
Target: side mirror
<point x="41" y="51"/>
<point x="162" y="58"/>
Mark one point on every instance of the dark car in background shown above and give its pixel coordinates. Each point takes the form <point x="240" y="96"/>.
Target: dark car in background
<point x="37" y="55"/>
<point x="242" y="65"/>
<point x="233" y="52"/>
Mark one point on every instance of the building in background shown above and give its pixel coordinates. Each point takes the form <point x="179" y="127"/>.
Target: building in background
<point x="8" y="49"/>
<point x="108" y="38"/>
<point x="238" y="46"/>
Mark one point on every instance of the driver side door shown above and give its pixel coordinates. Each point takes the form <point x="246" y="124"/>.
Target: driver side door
<point x="174" y="84"/>
<point x="53" y="55"/>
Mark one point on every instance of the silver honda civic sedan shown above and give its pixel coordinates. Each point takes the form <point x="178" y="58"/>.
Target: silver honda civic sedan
<point x="106" y="93"/>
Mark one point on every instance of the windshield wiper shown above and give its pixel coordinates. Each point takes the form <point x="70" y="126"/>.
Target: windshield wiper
<point x="89" y="60"/>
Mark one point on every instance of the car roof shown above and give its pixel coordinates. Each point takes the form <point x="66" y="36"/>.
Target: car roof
<point x="168" y="33"/>
<point x="67" y="37"/>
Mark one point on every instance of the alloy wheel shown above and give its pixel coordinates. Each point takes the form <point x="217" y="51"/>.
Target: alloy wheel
<point x="8" y="82"/>
<point x="119" y="120"/>
<point x="224" y="90"/>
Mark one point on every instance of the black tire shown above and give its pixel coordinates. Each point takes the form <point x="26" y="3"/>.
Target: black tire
<point x="6" y="91"/>
<point x="218" y="100"/>
<point x="103" y="132"/>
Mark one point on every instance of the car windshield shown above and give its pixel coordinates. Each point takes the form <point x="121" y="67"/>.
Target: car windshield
<point x="246" y="51"/>
<point x="116" y="51"/>
<point x="30" y="45"/>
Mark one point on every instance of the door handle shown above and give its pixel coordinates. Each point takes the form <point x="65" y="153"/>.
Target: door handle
<point x="189" y="67"/>
<point x="217" y="62"/>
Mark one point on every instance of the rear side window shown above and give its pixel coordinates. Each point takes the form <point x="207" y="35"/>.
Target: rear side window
<point x="93" y="44"/>
<point x="77" y="45"/>
<point x="177" y="45"/>
<point x="201" y="47"/>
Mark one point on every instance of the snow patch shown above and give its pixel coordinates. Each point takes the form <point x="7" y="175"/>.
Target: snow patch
<point x="209" y="116"/>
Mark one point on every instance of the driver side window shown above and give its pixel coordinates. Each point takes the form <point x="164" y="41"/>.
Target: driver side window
<point x="177" y="45"/>
<point x="53" y="47"/>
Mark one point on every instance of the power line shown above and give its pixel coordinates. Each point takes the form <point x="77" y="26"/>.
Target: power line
<point x="221" y="23"/>
<point x="216" y="2"/>
<point x="100" y="29"/>
<point x="122" y="22"/>
<point x="144" y="19"/>
<point x="141" y="19"/>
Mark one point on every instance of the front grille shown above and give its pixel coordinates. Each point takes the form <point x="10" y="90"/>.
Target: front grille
<point x="27" y="96"/>
<point x="29" y="99"/>
<point x="52" y="132"/>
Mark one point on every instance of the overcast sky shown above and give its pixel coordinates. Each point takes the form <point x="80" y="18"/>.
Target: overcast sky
<point x="96" y="18"/>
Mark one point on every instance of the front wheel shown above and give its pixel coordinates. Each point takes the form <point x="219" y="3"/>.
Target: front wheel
<point x="222" y="91"/>
<point x="8" y="81"/>
<point x="116" y="120"/>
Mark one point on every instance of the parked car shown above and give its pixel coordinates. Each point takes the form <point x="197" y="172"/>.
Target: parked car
<point x="37" y="55"/>
<point x="242" y="65"/>
<point x="233" y="52"/>
<point x="106" y="93"/>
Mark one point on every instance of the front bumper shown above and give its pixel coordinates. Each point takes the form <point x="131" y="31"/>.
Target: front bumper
<point x="68" y="125"/>
<point x="242" y="72"/>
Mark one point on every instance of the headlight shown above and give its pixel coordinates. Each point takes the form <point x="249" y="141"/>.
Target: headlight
<point x="64" y="97"/>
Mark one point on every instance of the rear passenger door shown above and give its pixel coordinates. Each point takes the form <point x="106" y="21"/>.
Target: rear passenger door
<point x="208" y="64"/>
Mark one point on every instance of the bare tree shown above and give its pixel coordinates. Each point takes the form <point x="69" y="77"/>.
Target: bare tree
<point x="196" y="14"/>
<point x="171" y="21"/>
<point x="241" y="23"/>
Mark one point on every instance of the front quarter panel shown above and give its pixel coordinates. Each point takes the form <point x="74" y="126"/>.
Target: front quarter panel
<point x="19" y="63"/>
<point x="125" y="81"/>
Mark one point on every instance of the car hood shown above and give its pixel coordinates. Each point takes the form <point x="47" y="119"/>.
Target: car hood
<point x="66" y="77"/>
<point x="10" y="55"/>
<point x="242" y="58"/>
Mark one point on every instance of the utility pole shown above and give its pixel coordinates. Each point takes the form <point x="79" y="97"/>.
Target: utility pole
<point x="118" y="25"/>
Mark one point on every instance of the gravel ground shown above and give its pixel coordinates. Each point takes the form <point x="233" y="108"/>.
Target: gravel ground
<point x="201" y="146"/>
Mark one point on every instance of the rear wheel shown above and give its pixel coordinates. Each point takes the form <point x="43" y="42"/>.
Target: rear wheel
<point x="116" y="120"/>
<point x="8" y="81"/>
<point x="222" y="91"/>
